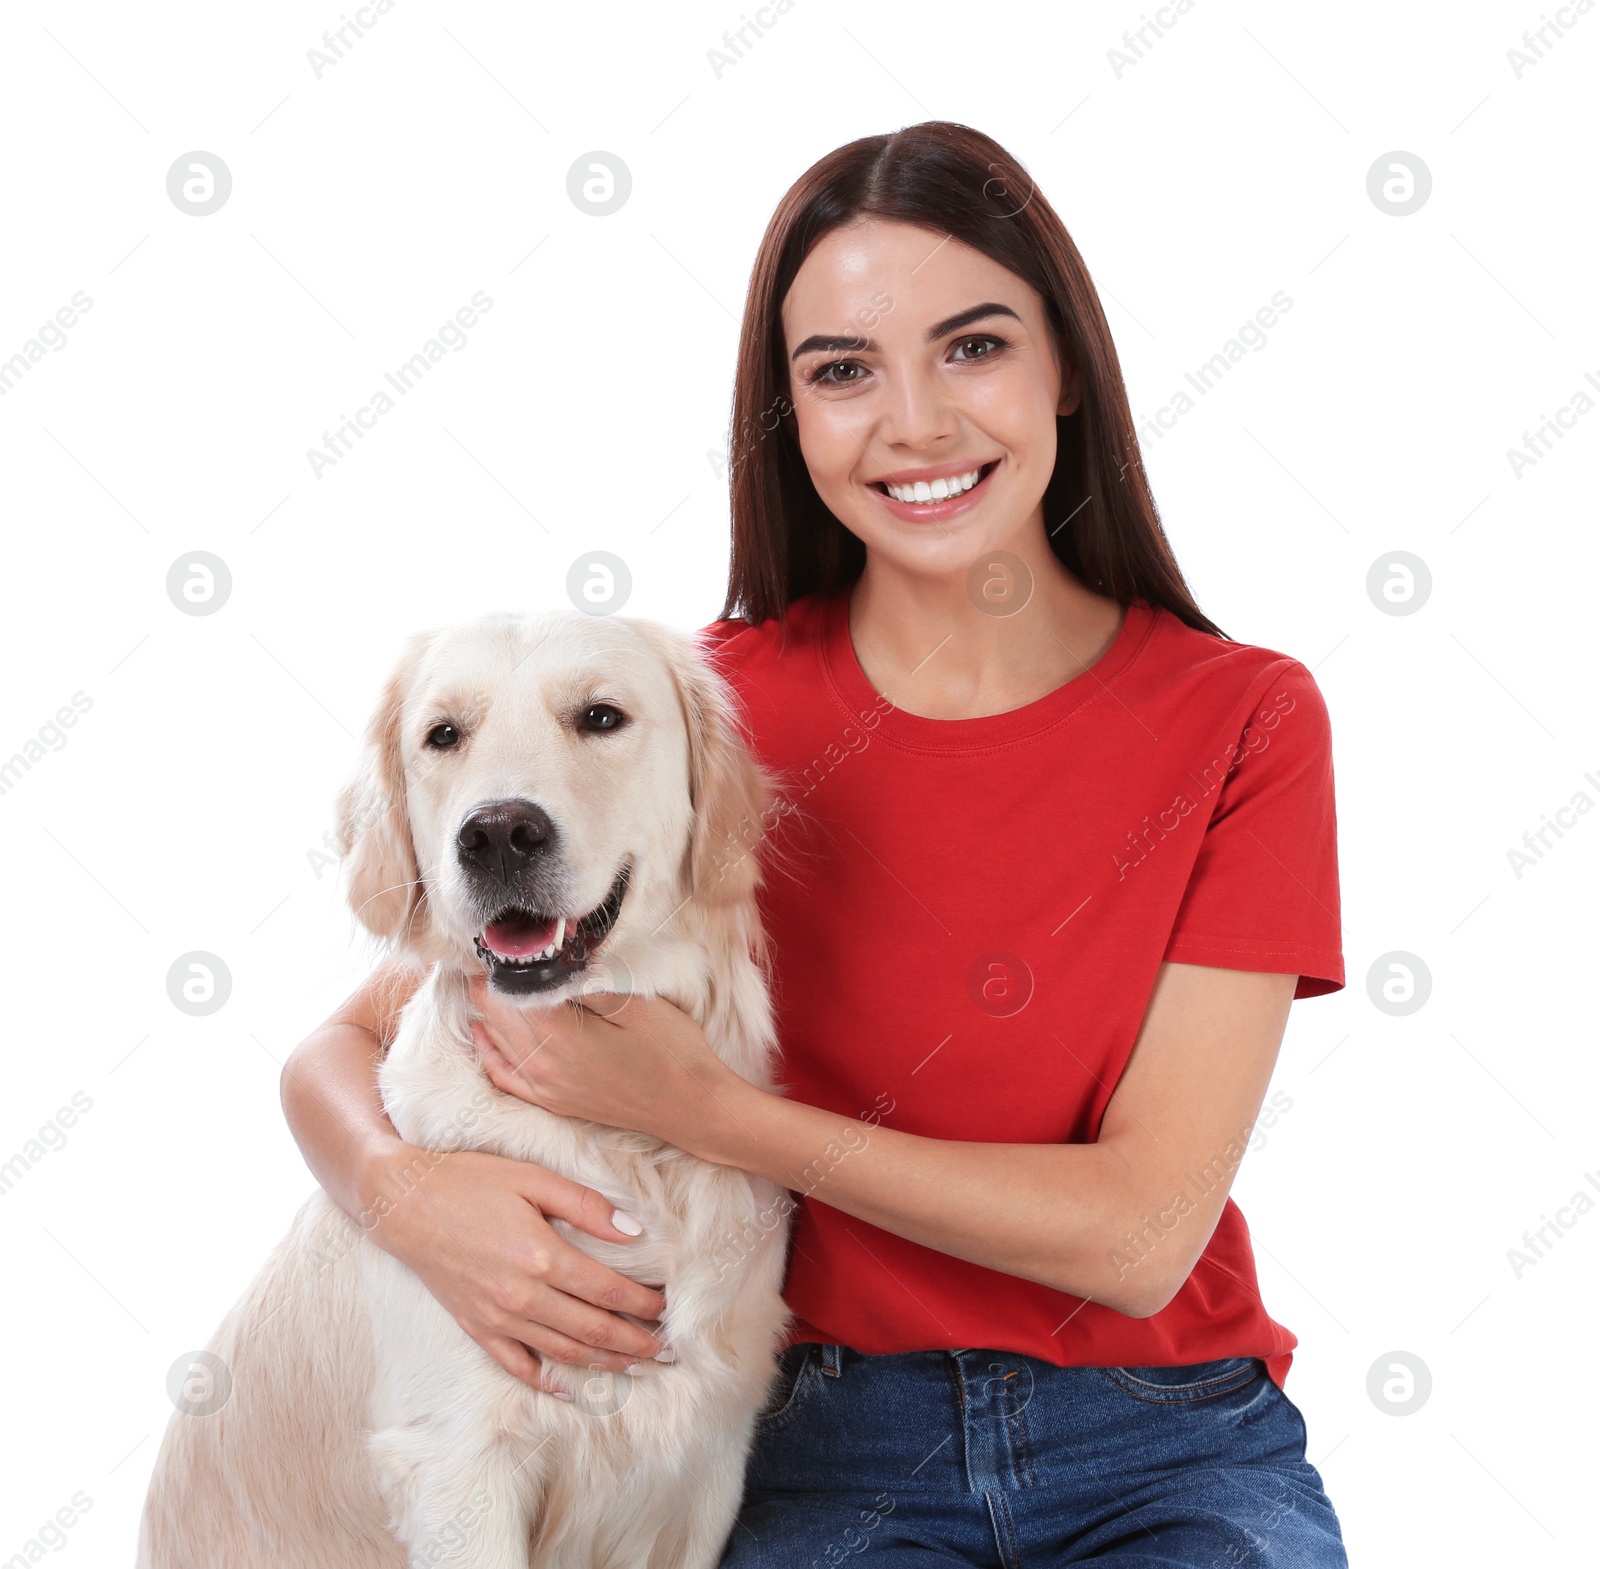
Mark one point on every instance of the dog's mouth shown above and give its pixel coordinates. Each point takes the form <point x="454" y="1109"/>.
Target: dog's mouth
<point x="528" y="951"/>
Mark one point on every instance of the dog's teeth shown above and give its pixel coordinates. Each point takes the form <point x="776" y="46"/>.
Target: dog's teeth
<point x="565" y="928"/>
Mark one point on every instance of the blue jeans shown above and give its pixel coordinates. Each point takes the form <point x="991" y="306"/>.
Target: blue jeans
<point x="928" y="1459"/>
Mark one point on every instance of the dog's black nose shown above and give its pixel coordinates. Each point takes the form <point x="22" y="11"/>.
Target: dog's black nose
<point x="504" y="838"/>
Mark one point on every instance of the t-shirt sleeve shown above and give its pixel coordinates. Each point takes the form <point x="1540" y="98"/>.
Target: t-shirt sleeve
<point x="1264" y="891"/>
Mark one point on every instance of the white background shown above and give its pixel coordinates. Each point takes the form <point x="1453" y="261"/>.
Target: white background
<point x="184" y="809"/>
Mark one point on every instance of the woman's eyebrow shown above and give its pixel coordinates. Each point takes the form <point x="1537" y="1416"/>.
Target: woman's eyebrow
<point x="821" y="341"/>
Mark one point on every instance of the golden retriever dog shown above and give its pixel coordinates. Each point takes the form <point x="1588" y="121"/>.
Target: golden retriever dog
<point x="566" y="801"/>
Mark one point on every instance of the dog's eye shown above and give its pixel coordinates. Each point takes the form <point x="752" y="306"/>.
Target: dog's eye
<point x="602" y="716"/>
<point x="443" y="737"/>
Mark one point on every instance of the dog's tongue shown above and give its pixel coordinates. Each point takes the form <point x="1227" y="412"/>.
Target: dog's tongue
<point x="519" y="936"/>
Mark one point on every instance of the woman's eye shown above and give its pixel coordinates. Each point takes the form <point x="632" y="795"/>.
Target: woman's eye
<point x="603" y="716"/>
<point x="443" y="737"/>
<point x="821" y="374"/>
<point x="984" y="338"/>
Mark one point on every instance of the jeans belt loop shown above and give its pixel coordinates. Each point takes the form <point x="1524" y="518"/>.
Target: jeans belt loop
<point x="832" y="1360"/>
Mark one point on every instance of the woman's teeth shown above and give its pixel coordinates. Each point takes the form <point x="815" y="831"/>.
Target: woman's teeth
<point x="935" y="490"/>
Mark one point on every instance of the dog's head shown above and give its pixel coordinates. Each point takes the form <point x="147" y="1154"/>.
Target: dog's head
<point x="534" y="786"/>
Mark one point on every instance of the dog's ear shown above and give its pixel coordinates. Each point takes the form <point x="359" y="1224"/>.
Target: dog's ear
<point x="372" y="827"/>
<point x="728" y="789"/>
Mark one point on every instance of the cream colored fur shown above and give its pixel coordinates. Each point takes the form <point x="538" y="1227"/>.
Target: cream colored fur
<point x="365" y="1429"/>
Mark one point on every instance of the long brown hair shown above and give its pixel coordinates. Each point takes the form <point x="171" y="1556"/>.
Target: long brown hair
<point x="1100" y="516"/>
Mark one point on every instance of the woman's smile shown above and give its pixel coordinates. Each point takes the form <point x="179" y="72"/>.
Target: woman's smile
<point x="935" y="495"/>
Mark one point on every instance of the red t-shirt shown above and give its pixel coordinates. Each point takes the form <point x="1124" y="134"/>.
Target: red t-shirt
<point x="969" y="921"/>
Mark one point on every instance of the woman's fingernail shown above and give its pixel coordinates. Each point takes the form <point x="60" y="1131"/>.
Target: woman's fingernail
<point x="623" y="1221"/>
<point x="634" y="1369"/>
<point x="669" y="1355"/>
<point x="560" y="1394"/>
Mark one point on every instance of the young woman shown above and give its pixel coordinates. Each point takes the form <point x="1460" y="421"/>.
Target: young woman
<point x="1063" y="855"/>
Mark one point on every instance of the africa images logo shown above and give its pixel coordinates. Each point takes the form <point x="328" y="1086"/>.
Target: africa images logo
<point x="452" y="334"/>
<point x="1142" y="840"/>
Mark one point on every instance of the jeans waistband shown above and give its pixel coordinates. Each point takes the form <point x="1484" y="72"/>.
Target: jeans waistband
<point x="993" y="1388"/>
<point x="833" y="1357"/>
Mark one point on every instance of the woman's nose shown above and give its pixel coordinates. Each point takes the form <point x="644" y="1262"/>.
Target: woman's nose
<point x="917" y="410"/>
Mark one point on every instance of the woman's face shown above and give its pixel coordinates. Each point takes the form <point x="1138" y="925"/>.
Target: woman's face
<point x="914" y="357"/>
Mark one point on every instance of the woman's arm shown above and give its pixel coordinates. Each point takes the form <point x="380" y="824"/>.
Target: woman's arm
<point x="1098" y="1220"/>
<point x="474" y="1228"/>
<point x="1122" y="1221"/>
<point x="329" y="1090"/>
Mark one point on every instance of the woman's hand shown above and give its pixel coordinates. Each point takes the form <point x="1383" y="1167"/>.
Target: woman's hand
<point x="627" y="1062"/>
<point x="473" y="1229"/>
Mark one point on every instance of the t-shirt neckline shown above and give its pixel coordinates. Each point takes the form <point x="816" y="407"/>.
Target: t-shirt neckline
<point x="918" y="731"/>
